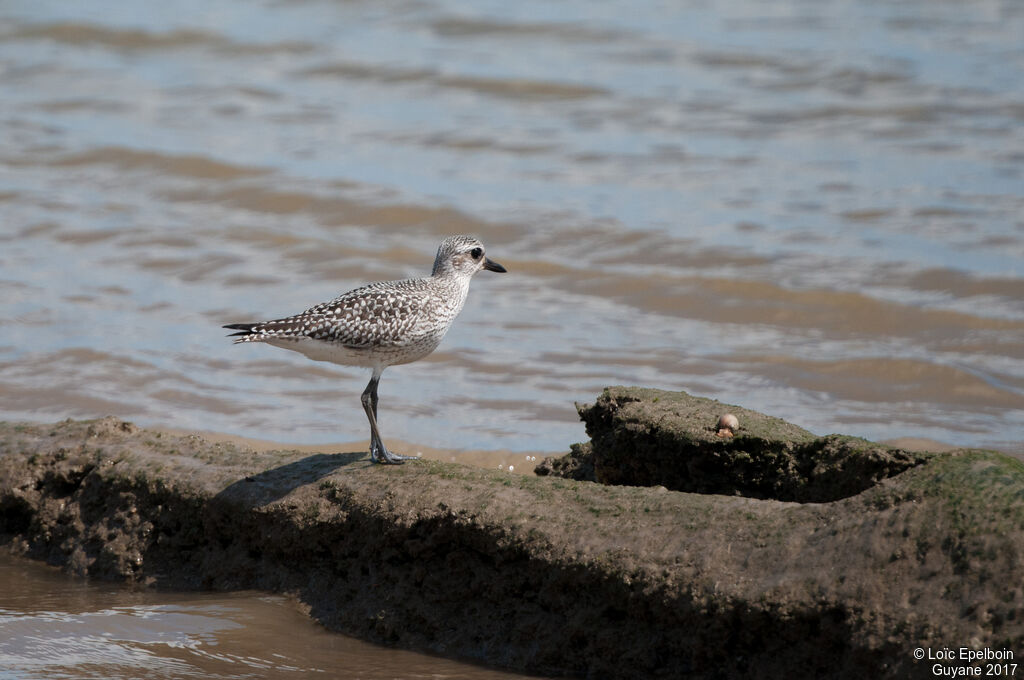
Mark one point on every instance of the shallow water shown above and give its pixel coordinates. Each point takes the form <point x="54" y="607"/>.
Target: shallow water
<point x="810" y="209"/>
<point x="53" y="626"/>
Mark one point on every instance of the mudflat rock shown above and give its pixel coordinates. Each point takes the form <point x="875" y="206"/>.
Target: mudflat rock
<point x="645" y="437"/>
<point x="543" y="574"/>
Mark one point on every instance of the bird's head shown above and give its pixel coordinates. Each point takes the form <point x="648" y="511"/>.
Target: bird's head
<point x="463" y="256"/>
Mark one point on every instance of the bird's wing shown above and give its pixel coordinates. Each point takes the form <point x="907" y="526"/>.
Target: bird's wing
<point x="374" y="315"/>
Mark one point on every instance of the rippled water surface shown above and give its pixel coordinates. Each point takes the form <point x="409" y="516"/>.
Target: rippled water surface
<point x="54" y="627"/>
<point x="813" y="209"/>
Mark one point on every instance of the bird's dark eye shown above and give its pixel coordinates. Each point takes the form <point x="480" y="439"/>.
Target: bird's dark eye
<point x="476" y="253"/>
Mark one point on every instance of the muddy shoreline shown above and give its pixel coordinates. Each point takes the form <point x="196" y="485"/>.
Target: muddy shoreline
<point x="546" y="574"/>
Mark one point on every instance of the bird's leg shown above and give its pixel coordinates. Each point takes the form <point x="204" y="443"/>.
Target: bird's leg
<point x="369" y="406"/>
<point x="373" y="399"/>
<point x="378" y="452"/>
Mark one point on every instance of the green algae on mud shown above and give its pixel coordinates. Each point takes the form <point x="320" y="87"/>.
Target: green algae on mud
<point x="542" y="574"/>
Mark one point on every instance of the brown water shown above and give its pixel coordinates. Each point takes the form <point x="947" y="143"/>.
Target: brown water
<point x="812" y="210"/>
<point x="815" y="210"/>
<point x="55" y="627"/>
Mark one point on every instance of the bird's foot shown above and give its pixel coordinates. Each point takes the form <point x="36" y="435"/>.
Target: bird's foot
<point x="380" y="454"/>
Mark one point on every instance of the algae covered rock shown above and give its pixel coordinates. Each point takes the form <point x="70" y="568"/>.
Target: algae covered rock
<point x="578" y="464"/>
<point x="648" y="437"/>
<point x="545" y="574"/>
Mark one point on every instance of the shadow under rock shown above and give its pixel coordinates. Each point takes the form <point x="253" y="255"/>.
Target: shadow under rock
<point x="274" y="484"/>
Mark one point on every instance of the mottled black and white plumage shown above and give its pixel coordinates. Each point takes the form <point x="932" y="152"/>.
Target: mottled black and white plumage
<point x="381" y="324"/>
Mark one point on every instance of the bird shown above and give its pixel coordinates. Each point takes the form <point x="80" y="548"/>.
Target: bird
<point x="381" y="324"/>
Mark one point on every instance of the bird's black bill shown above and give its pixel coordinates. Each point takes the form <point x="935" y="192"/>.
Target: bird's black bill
<point x="242" y="328"/>
<point x="492" y="266"/>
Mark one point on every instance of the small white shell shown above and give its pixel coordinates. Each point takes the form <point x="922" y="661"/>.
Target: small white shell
<point x="728" y="422"/>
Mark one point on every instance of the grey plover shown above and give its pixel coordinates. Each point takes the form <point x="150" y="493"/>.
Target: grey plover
<point x="381" y="324"/>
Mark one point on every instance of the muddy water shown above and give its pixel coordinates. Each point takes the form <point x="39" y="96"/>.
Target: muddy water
<point x="812" y="209"/>
<point x="53" y="626"/>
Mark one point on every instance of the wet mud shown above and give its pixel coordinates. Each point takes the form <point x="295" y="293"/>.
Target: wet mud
<point x="542" y="574"/>
<point x="649" y="437"/>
